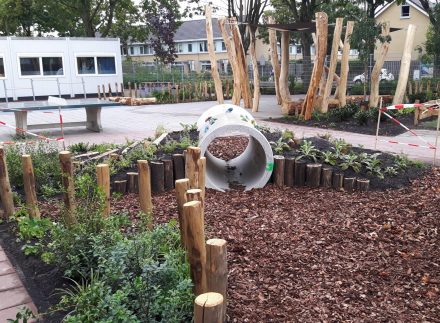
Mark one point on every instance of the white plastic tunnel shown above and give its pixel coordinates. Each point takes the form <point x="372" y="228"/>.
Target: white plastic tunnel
<point x="252" y="168"/>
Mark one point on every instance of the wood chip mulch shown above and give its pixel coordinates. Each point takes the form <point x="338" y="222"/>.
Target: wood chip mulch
<point x="228" y="147"/>
<point x="311" y="255"/>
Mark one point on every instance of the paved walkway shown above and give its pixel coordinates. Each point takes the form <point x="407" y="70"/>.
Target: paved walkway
<point x="133" y="123"/>
<point x="13" y="295"/>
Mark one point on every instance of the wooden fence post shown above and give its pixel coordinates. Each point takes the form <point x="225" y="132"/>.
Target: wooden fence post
<point x="289" y="171"/>
<point x="278" y="170"/>
<point x="168" y="174"/>
<point x="179" y="166"/>
<point x="69" y="187"/>
<point x="29" y="186"/>
<point x="132" y="182"/>
<point x="5" y="186"/>
<point x="103" y="180"/>
<point x="195" y="244"/>
<point x="144" y="185"/>
<point x="192" y="166"/>
<point x="201" y="163"/>
<point x="195" y="194"/>
<point x="208" y="308"/>
<point x="157" y="176"/>
<point x="217" y="269"/>
<point x="182" y="185"/>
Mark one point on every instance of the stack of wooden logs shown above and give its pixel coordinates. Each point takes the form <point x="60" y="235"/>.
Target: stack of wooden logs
<point x="125" y="100"/>
<point x="291" y="172"/>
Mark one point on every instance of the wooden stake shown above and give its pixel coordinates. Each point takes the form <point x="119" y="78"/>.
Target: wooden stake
<point x="284" y="72"/>
<point x="103" y="179"/>
<point x="99" y="92"/>
<point x="338" y="181"/>
<point x="116" y="90"/>
<point x="211" y="50"/>
<point x="29" y="186"/>
<point x="195" y="194"/>
<point x="289" y="171"/>
<point x="5" y="187"/>
<point x="69" y="188"/>
<point x="208" y="308"/>
<point x="110" y="94"/>
<point x="132" y="182"/>
<point x="326" y="177"/>
<point x="144" y="183"/>
<point x="363" y="184"/>
<point x="253" y="53"/>
<point x="182" y="185"/>
<point x="120" y="186"/>
<point x="168" y="174"/>
<point x="278" y="170"/>
<point x="103" y="92"/>
<point x="300" y="173"/>
<point x="313" y="175"/>
<point x="130" y="91"/>
<point x="349" y="184"/>
<point x="375" y="74"/>
<point x="202" y="175"/>
<point x="217" y="269"/>
<point x="195" y="244"/>
<point x="157" y="176"/>
<point x="345" y="64"/>
<point x="405" y="65"/>
<point x="192" y="166"/>
<point x="273" y="50"/>
<point x="179" y="166"/>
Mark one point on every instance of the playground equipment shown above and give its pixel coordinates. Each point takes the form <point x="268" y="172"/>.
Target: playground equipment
<point x="253" y="168"/>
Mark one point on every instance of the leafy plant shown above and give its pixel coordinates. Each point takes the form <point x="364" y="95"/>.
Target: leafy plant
<point x="329" y="157"/>
<point x="279" y="146"/>
<point x="287" y="135"/>
<point x="102" y="148"/>
<point x="362" y="117"/>
<point x="341" y="148"/>
<point x="402" y="162"/>
<point x="160" y="129"/>
<point x="372" y="164"/>
<point x="392" y="171"/>
<point x="32" y="230"/>
<point x="80" y="147"/>
<point x="308" y="150"/>
<point x="23" y="316"/>
<point x="344" y="113"/>
<point x="187" y="128"/>
<point x="350" y="161"/>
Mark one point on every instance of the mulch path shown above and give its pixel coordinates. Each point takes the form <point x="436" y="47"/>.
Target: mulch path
<point x="228" y="147"/>
<point x="300" y="254"/>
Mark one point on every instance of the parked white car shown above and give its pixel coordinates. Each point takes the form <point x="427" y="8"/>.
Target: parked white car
<point x="384" y="75"/>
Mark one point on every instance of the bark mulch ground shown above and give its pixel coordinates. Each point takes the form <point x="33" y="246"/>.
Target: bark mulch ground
<point x="228" y="147"/>
<point x="315" y="255"/>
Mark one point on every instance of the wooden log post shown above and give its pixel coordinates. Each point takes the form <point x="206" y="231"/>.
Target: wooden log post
<point x="326" y="177"/>
<point x="363" y="184"/>
<point x="300" y="173"/>
<point x="253" y="53"/>
<point x="5" y="187"/>
<point x="349" y="184"/>
<point x="157" y="176"/>
<point x="103" y="181"/>
<point x="405" y="65"/>
<point x="192" y="166"/>
<point x="144" y="184"/>
<point x="179" y="166"/>
<point x="195" y="244"/>
<point x="338" y="181"/>
<point x="211" y="51"/>
<point x="195" y="194"/>
<point x="99" y="92"/>
<point x="110" y="93"/>
<point x="69" y="188"/>
<point x="29" y="186"/>
<point x="168" y="174"/>
<point x="289" y="171"/>
<point x="135" y="90"/>
<point x="313" y="175"/>
<point x="318" y="67"/>
<point x="116" y="90"/>
<point x="217" y="269"/>
<point x="278" y="170"/>
<point x="375" y="73"/>
<point x="132" y="182"/>
<point x="273" y="50"/>
<point x="208" y="308"/>
<point x="284" y="72"/>
<point x="333" y="63"/>
<point x="202" y="175"/>
<point x="182" y="186"/>
<point x="130" y="91"/>
<point x="342" y="93"/>
<point x="120" y="186"/>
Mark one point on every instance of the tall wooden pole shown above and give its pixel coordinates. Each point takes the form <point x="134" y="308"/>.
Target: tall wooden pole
<point x="375" y="73"/>
<point x="103" y="180"/>
<point x="192" y="166"/>
<point x="211" y="51"/>
<point x="345" y="64"/>
<point x="144" y="179"/>
<point x="284" y="73"/>
<point x="5" y="186"/>
<point x="274" y="58"/>
<point x="182" y="186"/>
<point x="208" y="308"/>
<point x="333" y="63"/>
<point x="69" y="188"/>
<point x="195" y="244"/>
<point x="29" y="186"/>
<point x="202" y="175"/>
<point x="217" y="269"/>
<point x="405" y="65"/>
<point x="253" y="51"/>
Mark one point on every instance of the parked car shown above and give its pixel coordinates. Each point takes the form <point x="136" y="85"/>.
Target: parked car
<point x="384" y="75"/>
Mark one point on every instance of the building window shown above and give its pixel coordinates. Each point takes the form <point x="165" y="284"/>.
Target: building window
<point x="404" y="11"/>
<point x="223" y="46"/>
<point x="86" y="65"/>
<point x="41" y="66"/>
<point x="292" y="49"/>
<point x="2" y="67"/>
<point x="106" y="65"/>
<point x="203" y="46"/>
<point x="190" y="48"/>
<point x="141" y="50"/>
<point x="180" y="48"/>
<point x="298" y="49"/>
<point x="131" y="50"/>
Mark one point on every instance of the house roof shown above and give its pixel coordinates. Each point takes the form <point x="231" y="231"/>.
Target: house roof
<point x="414" y="3"/>
<point x="196" y="30"/>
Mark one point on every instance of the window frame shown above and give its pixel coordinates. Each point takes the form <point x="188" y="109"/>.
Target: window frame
<point x="2" y="56"/>
<point x="188" y="47"/>
<point x="40" y="62"/>
<point x="95" y="59"/>
<point x="401" y="11"/>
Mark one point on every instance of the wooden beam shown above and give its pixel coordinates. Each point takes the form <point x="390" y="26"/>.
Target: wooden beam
<point x="405" y="65"/>
<point x="273" y="50"/>
<point x="375" y="73"/>
<point x="342" y="91"/>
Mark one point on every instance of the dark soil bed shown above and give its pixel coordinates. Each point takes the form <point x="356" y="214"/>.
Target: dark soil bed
<point x="387" y="127"/>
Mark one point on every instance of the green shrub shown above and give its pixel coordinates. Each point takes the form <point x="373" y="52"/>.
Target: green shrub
<point x="345" y="113"/>
<point x="362" y="117"/>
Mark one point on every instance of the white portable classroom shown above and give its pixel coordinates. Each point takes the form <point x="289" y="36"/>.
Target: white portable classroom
<point x="51" y="66"/>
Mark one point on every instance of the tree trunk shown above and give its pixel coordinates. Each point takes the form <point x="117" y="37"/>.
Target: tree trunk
<point x="274" y="59"/>
<point x="284" y="73"/>
<point x="256" y="100"/>
<point x="375" y="74"/>
<point x="342" y="93"/>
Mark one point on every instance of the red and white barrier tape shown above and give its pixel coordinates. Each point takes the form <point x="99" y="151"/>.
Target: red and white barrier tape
<point x="430" y="106"/>
<point x="29" y="133"/>
<point x="407" y="144"/>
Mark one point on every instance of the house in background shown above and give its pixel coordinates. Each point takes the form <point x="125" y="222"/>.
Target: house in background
<point x="400" y="16"/>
